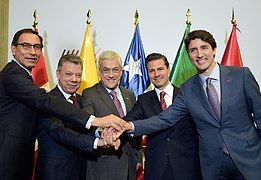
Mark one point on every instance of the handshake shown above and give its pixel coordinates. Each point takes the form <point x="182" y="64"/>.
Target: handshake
<point x="111" y="129"/>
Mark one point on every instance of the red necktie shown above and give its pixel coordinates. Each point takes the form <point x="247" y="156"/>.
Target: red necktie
<point x="117" y="103"/>
<point x="74" y="100"/>
<point x="162" y="100"/>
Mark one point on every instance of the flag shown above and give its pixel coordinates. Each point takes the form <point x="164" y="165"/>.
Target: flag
<point x="182" y="68"/>
<point x="135" y="76"/>
<point x="232" y="55"/>
<point x="39" y="73"/>
<point x="89" y="71"/>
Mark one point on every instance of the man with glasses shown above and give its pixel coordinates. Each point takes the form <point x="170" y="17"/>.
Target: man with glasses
<point x="107" y="97"/>
<point x="20" y="102"/>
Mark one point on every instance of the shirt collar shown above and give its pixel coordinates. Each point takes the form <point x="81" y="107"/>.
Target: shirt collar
<point x="66" y="95"/>
<point x="168" y="90"/>
<point x="117" y="90"/>
<point x="214" y="74"/>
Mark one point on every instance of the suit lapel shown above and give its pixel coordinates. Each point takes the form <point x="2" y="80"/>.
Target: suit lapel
<point x="105" y="96"/>
<point x="56" y="92"/>
<point x="225" y="85"/>
<point x="126" y="98"/>
<point x="200" y="93"/>
<point x="155" y="102"/>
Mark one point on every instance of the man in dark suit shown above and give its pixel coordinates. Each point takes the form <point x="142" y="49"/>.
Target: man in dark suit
<point x="107" y="97"/>
<point x="229" y="131"/>
<point x="61" y="146"/>
<point x="20" y="102"/>
<point x="172" y="153"/>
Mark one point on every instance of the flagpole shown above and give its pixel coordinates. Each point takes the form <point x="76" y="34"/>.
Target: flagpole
<point x="88" y="21"/>
<point x="136" y="16"/>
<point x="233" y="20"/>
<point x="35" y="23"/>
<point x="188" y="17"/>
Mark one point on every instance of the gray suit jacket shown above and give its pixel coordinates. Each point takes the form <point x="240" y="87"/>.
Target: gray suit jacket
<point x="240" y="108"/>
<point x="108" y="163"/>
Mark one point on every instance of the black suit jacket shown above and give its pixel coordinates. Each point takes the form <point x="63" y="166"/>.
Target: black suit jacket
<point x="20" y="102"/>
<point x="177" y="144"/>
<point x="60" y="156"/>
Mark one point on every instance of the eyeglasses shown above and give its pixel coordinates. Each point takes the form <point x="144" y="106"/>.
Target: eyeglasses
<point x="106" y="71"/>
<point x="27" y="46"/>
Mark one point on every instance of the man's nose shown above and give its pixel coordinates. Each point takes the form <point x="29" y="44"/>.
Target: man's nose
<point x="199" y="54"/>
<point x="32" y="50"/>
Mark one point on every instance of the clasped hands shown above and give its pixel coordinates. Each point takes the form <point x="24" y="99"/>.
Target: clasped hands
<point x="112" y="127"/>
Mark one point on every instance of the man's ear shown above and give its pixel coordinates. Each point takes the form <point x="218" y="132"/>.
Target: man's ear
<point x="13" y="49"/>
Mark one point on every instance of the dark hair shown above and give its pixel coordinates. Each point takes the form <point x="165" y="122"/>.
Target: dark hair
<point x="22" y="31"/>
<point x="156" y="56"/>
<point x="200" y="34"/>
<point x="72" y="58"/>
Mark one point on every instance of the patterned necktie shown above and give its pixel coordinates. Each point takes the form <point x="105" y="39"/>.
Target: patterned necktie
<point x="213" y="97"/>
<point x="74" y="100"/>
<point x="117" y="103"/>
<point x="162" y="100"/>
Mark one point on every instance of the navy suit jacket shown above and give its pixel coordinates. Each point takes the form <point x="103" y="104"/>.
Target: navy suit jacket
<point x="178" y="144"/>
<point x="20" y="102"/>
<point x="240" y="109"/>
<point x="61" y="148"/>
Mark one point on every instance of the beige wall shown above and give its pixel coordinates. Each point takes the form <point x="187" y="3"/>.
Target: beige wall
<point x="4" y="11"/>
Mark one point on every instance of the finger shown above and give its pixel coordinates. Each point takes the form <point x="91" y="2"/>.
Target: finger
<point x="117" y="144"/>
<point x="117" y="134"/>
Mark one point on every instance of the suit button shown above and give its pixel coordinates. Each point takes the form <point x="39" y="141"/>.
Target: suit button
<point x="169" y="154"/>
<point x="166" y="154"/>
<point x="168" y="139"/>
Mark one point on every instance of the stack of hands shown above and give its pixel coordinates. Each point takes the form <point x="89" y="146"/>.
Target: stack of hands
<point x="111" y="129"/>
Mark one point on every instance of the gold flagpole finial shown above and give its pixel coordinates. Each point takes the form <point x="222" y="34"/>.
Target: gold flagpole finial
<point x="136" y="17"/>
<point x="35" y="24"/>
<point x="188" y="17"/>
<point x="233" y="20"/>
<point x="89" y="14"/>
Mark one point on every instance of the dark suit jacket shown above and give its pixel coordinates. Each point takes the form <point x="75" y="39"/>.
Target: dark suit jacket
<point x="240" y="97"/>
<point x="108" y="163"/>
<point x="177" y="144"/>
<point x="20" y="102"/>
<point x="59" y="156"/>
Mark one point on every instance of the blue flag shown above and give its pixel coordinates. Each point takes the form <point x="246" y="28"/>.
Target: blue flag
<point x="135" y="76"/>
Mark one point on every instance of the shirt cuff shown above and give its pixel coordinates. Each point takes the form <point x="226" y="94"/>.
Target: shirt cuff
<point x="89" y="122"/>
<point x="98" y="132"/>
<point x="131" y="132"/>
<point x="95" y="143"/>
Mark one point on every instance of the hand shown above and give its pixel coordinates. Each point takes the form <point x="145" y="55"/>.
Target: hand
<point x="126" y="127"/>
<point x="109" y="121"/>
<point x="109" y="142"/>
<point x="139" y="166"/>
